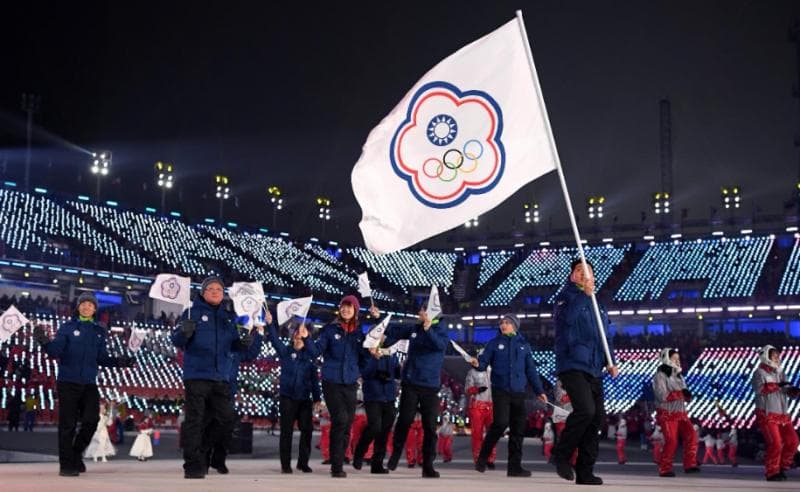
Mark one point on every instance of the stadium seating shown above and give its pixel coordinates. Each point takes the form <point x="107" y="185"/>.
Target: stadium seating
<point x="790" y="282"/>
<point x="731" y="266"/>
<point x="407" y="269"/>
<point x="35" y="223"/>
<point x="550" y="268"/>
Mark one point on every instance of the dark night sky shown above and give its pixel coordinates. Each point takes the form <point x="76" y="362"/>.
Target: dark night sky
<point x="286" y="95"/>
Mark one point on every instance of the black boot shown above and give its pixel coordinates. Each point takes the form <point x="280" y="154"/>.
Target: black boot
<point x="429" y="472"/>
<point x="518" y="472"/>
<point x="394" y="459"/>
<point x="563" y="468"/>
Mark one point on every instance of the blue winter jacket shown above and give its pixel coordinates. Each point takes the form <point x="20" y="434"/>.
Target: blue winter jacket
<point x="340" y="352"/>
<point x="578" y="345"/>
<point x="423" y="367"/>
<point x="239" y="357"/>
<point x="299" y="376"/>
<point x="208" y="354"/>
<point x="79" y="346"/>
<point x="512" y="364"/>
<point x="379" y="377"/>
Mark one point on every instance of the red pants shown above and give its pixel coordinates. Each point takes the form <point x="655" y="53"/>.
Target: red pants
<point x="781" y="440"/>
<point x="675" y="425"/>
<point x="658" y="446"/>
<point x="721" y="455"/>
<point x="621" y="451"/>
<point x="359" y="424"/>
<point x="480" y="418"/>
<point x="445" y="448"/>
<point x="710" y="455"/>
<point x="559" y="426"/>
<point x="548" y="449"/>
<point x="325" y="441"/>
<point x="732" y="453"/>
<point x="414" y="444"/>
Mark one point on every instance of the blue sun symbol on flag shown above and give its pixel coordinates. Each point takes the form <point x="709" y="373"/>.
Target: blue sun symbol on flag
<point x="442" y="129"/>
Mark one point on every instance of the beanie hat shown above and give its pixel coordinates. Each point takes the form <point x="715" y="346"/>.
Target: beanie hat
<point x="87" y="297"/>
<point x="213" y="279"/>
<point x="513" y="319"/>
<point x="352" y="300"/>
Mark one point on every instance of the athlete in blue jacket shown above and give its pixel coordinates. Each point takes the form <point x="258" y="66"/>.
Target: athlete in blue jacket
<point x="339" y="343"/>
<point x="513" y="368"/>
<point x="379" y="373"/>
<point x="420" y="386"/>
<point x="208" y="336"/>
<point x="79" y="346"/>
<point x="580" y="360"/>
<point x="300" y="394"/>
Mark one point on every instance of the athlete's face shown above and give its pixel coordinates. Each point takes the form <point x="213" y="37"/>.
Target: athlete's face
<point x="346" y="311"/>
<point x="676" y="359"/>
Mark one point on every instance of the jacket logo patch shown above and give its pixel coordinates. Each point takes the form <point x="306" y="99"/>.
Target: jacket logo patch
<point x="204" y="318"/>
<point x="413" y="335"/>
<point x="337" y="336"/>
<point x="76" y="333"/>
<point x="501" y="347"/>
<point x="294" y="356"/>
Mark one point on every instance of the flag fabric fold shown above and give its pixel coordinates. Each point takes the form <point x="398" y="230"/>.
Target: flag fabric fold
<point x="293" y="307"/>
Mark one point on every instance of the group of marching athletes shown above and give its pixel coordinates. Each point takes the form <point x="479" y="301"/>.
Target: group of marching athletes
<point x="214" y="342"/>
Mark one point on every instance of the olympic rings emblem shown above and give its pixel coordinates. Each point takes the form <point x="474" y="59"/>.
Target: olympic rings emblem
<point x="455" y="150"/>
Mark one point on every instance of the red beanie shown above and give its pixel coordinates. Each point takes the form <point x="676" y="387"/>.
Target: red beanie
<point x="352" y="300"/>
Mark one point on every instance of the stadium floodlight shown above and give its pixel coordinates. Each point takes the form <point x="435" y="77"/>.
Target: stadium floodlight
<point x="324" y="205"/>
<point x="101" y="162"/>
<point x="324" y="211"/>
<point x="223" y="192"/>
<point x="531" y="211"/>
<point x="595" y="207"/>
<point x="276" y="198"/>
<point x="471" y="223"/>
<point x="164" y="180"/>
<point x="731" y="196"/>
<point x="661" y="203"/>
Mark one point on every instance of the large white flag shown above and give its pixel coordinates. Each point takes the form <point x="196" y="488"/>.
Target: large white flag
<point x="293" y="307"/>
<point x="11" y="321"/>
<point x="470" y="133"/>
<point x="172" y="288"/>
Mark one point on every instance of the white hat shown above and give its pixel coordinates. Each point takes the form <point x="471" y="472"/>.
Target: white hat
<point x="763" y="356"/>
<point x="665" y="355"/>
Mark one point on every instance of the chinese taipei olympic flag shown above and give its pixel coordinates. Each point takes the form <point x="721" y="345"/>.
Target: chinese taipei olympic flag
<point x="468" y="135"/>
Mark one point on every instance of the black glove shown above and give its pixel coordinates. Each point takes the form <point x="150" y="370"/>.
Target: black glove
<point x="793" y="391"/>
<point x="784" y="383"/>
<point x="187" y="328"/>
<point x="125" y="361"/>
<point x="687" y="395"/>
<point x="40" y="335"/>
<point x="481" y="389"/>
<point x="245" y="338"/>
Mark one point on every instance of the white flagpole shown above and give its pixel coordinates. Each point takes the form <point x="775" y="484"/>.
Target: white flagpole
<point x="563" y="182"/>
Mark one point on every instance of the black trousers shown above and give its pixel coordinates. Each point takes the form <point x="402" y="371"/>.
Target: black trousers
<point x="295" y="411"/>
<point x="508" y="411"/>
<point x="341" y="401"/>
<point x="76" y="403"/>
<point x="380" y="418"/>
<point x="424" y="400"/>
<point x="582" y="430"/>
<point x="209" y="421"/>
